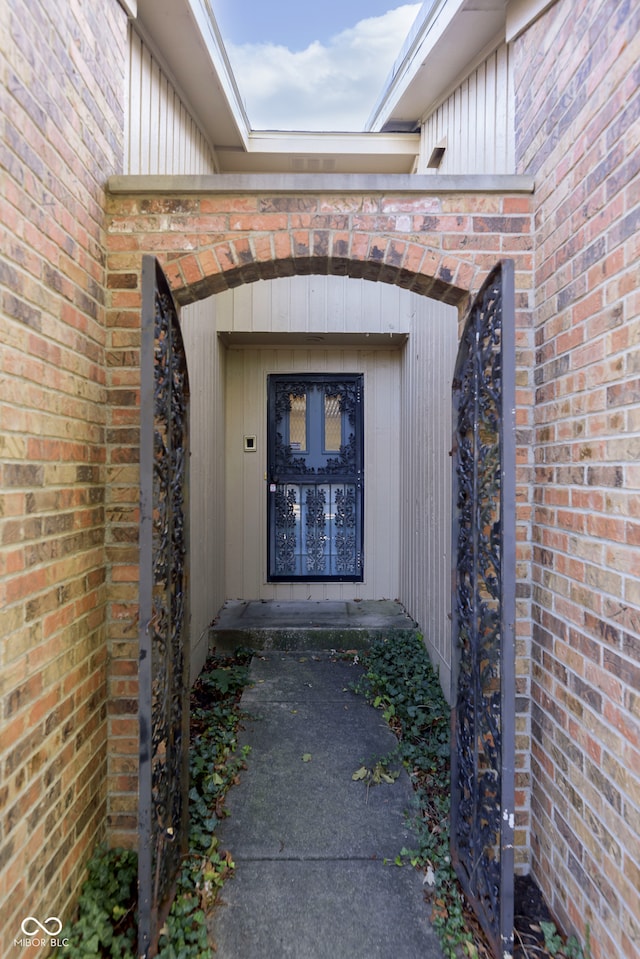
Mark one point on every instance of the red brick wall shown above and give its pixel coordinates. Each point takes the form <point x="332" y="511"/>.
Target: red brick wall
<point x="578" y="133"/>
<point x="69" y="419"/>
<point x="442" y="246"/>
<point x="62" y="66"/>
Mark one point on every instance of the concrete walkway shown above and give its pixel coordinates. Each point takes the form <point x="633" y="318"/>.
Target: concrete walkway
<point x="309" y="841"/>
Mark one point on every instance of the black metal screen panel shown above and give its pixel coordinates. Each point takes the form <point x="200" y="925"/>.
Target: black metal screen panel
<point x="164" y="647"/>
<point x="316" y="477"/>
<point x="483" y="720"/>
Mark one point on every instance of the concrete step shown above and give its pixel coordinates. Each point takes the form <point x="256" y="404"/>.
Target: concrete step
<point x="308" y="625"/>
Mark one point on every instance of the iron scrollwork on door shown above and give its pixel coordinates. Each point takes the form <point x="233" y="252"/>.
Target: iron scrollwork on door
<point x="483" y="721"/>
<point x="316" y="477"/>
<point x="164" y="647"/>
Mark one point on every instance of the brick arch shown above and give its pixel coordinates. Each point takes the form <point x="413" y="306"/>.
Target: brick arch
<point x="439" y="245"/>
<point x="420" y="269"/>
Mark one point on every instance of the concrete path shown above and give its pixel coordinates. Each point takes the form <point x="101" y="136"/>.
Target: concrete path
<point x="309" y="841"/>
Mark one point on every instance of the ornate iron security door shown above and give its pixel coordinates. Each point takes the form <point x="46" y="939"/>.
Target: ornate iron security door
<point x="483" y="734"/>
<point x="316" y="477"/>
<point x="164" y="647"/>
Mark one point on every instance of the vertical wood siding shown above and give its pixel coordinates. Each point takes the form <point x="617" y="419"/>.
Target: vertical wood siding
<point x="407" y="437"/>
<point x="477" y="120"/>
<point x="205" y="359"/>
<point x="246" y="552"/>
<point x="161" y="135"/>
<point x="316" y="304"/>
<point x="425" y="566"/>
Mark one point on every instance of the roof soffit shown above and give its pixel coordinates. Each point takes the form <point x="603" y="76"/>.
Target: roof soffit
<point x="190" y="44"/>
<point x="450" y="39"/>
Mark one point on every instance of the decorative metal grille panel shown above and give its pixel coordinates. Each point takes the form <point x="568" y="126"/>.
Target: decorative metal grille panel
<point x="316" y="477"/>
<point x="164" y="647"/>
<point x="483" y="720"/>
<point x="315" y="531"/>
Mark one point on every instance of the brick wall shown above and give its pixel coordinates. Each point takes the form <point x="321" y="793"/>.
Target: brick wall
<point x="62" y="68"/>
<point x="440" y="245"/>
<point x="69" y="441"/>
<point x="578" y="133"/>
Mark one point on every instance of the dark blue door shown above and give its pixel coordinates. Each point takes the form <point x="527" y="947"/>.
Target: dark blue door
<point x="316" y="477"/>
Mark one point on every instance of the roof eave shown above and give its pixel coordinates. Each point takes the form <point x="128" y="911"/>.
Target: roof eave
<point x="447" y="38"/>
<point x="187" y="36"/>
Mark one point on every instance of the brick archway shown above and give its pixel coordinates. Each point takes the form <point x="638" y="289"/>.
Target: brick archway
<point x="435" y="244"/>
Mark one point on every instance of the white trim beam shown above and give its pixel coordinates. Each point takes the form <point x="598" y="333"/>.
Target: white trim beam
<point x="322" y="183"/>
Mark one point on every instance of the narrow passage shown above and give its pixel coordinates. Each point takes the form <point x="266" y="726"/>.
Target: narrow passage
<point x="308" y="841"/>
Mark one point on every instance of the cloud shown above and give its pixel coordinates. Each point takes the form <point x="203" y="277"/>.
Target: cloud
<point x="329" y="86"/>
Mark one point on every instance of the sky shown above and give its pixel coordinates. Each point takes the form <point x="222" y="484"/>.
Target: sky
<point x="312" y="66"/>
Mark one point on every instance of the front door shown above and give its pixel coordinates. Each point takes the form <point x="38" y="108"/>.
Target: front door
<point x="315" y="477"/>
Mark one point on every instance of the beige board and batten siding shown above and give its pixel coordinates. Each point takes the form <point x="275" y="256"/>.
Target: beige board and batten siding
<point x="289" y="317"/>
<point x="475" y="122"/>
<point x="205" y="361"/>
<point x="425" y="565"/>
<point x="316" y="305"/>
<point x="161" y="135"/>
<point x="407" y="433"/>
<point x="246" y="526"/>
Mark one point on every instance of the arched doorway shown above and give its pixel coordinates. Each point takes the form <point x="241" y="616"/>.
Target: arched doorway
<point x="436" y="243"/>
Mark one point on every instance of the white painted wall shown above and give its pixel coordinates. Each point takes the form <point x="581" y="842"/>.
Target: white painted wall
<point x="161" y="137"/>
<point x="476" y="120"/>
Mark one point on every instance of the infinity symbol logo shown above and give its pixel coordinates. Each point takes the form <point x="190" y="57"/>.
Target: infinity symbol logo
<point x="51" y="926"/>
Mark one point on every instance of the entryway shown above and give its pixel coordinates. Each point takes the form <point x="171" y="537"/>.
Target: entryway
<point x="403" y="346"/>
<point x="481" y="521"/>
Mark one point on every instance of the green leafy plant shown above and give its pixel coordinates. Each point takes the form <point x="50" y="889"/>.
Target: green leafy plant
<point x="227" y="680"/>
<point x="214" y="765"/>
<point x="400" y="680"/>
<point x="571" y="949"/>
<point x="379" y="773"/>
<point x="374" y="776"/>
<point x="106" y="924"/>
